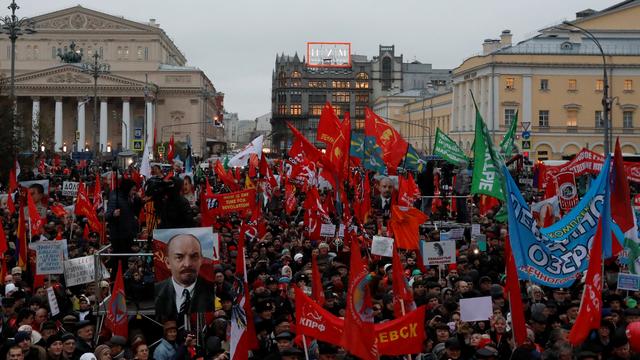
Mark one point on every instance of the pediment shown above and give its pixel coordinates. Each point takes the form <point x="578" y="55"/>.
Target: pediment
<point x="83" y="19"/>
<point x="69" y="74"/>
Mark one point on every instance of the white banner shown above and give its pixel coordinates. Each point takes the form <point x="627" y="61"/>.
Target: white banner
<point x="70" y="188"/>
<point x="81" y="271"/>
<point x="382" y="246"/>
<point x="327" y="230"/>
<point x="50" y="256"/>
<point x="53" y="302"/>
<point x="438" y="252"/>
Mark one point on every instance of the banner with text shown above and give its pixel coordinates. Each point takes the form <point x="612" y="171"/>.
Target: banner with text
<point x="448" y="150"/>
<point x="220" y="204"/>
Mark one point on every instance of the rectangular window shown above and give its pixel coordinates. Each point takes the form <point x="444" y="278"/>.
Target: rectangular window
<point x="509" y="83"/>
<point x="296" y="97"/>
<point x="599" y="85"/>
<point x="543" y="155"/>
<point x="572" y="118"/>
<point x="509" y="115"/>
<point x="360" y="111"/>
<point x="140" y="53"/>
<point x="146" y="53"/>
<point x="544" y="84"/>
<point x="628" y="85"/>
<point x="359" y="124"/>
<point x="340" y="84"/>
<point x="362" y="98"/>
<point x="295" y="109"/>
<point x="572" y="85"/>
<point x="282" y="97"/>
<point x="315" y="110"/>
<point x="598" y="119"/>
<point x="341" y="97"/>
<point x="282" y="109"/>
<point x="627" y="119"/>
<point x="317" y="84"/>
<point x="337" y="109"/>
<point x="317" y="98"/>
<point x="543" y="118"/>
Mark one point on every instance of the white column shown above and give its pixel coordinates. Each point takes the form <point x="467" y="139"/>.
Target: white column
<point x="150" y="123"/>
<point x="469" y="107"/>
<point x="497" y="114"/>
<point x="103" y="125"/>
<point x="35" y="124"/>
<point x="453" y="121"/>
<point x="482" y="94"/>
<point x="126" y="123"/>
<point x="82" y="130"/>
<point x="57" y="135"/>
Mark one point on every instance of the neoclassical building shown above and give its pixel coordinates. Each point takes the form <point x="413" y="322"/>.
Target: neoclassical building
<point x="147" y="89"/>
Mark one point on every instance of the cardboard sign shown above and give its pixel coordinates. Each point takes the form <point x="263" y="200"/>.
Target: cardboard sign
<point x="327" y="230"/>
<point x="453" y="234"/>
<point x="475" y="229"/>
<point x="382" y="246"/>
<point x="70" y="188"/>
<point x="81" y="271"/>
<point x="438" y="252"/>
<point x="53" y="302"/>
<point x="476" y="309"/>
<point x="50" y="257"/>
<point x="628" y="282"/>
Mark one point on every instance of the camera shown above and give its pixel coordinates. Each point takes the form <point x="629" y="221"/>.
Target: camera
<point x="157" y="187"/>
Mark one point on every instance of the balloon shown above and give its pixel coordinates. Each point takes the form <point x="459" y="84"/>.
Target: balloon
<point x="633" y="334"/>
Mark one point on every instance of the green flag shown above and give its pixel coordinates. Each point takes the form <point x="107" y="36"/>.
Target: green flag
<point x="507" y="143"/>
<point x="448" y="150"/>
<point x="486" y="163"/>
<point x="226" y="163"/>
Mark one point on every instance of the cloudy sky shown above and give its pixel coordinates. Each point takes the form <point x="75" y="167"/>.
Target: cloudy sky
<point x="235" y="41"/>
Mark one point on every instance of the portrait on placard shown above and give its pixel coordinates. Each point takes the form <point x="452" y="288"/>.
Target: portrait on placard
<point x="184" y="260"/>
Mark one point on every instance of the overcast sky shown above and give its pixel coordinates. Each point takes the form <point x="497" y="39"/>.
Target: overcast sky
<point x="235" y="41"/>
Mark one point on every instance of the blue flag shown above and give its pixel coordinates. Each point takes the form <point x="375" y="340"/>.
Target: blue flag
<point x="366" y="149"/>
<point x="555" y="256"/>
<point x="413" y="160"/>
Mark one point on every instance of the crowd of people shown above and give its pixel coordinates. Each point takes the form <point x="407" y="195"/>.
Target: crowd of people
<point x="278" y="259"/>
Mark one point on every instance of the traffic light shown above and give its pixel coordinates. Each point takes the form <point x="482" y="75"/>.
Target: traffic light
<point x="526" y="154"/>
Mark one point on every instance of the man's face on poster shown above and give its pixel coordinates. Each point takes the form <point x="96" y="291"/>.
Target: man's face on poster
<point x="386" y="187"/>
<point x="184" y="258"/>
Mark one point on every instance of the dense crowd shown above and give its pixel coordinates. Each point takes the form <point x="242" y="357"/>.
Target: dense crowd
<point x="278" y="259"/>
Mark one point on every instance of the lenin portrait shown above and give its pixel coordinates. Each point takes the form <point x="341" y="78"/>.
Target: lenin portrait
<point x="185" y="291"/>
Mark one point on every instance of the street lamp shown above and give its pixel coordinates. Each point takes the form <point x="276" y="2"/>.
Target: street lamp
<point x="606" y="101"/>
<point x="15" y="27"/>
<point x="64" y="147"/>
<point x="95" y="69"/>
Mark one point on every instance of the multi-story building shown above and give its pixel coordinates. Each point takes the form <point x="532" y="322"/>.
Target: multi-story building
<point x="299" y="91"/>
<point x="148" y="86"/>
<point x="263" y="127"/>
<point x="554" y="81"/>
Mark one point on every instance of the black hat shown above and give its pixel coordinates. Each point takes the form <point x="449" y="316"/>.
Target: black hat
<point x="486" y="353"/>
<point x="619" y="340"/>
<point x="48" y="325"/>
<point x="327" y="349"/>
<point x="83" y="323"/>
<point x="614" y="297"/>
<point x="452" y="343"/>
<point x="53" y="338"/>
<point x="264" y="306"/>
<point x="539" y="318"/>
<point x="330" y="295"/>
<point x="118" y="340"/>
<point x="8" y="301"/>
<point x="271" y="280"/>
<point x="485" y="279"/>
<point x="20" y="336"/>
<point x="292" y="352"/>
<point x="67" y="336"/>
<point x="285" y="335"/>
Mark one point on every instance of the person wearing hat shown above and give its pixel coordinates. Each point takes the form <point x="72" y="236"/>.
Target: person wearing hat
<point x="453" y="349"/>
<point x="327" y="351"/>
<point x="487" y="353"/>
<point x="123" y="207"/>
<point x="620" y="347"/>
<point x="292" y="354"/>
<point x="103" y="352"/>
<point x="69" y="347"/>
<point x="16" y="275"/>
<point x="264" y="313"/>
<point x="284" y="342"/>
<point x="84" y="333"/>
<point x="117" y="344"/>
<point x="85" y="311"/>
<point x="54" y="347"/>
<point x="29" y="351"/>
<point x="167" y="347"/>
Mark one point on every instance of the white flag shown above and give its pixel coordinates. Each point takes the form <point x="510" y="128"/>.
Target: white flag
<point x="254" y="147"/>
<point x="145" y="167"/>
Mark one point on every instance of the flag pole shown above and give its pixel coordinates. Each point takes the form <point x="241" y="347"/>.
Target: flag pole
<point x="304" y="344"/>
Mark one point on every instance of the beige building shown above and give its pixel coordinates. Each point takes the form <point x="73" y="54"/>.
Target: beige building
<point x="148" y="86"/>
<point x="554" y="81"/>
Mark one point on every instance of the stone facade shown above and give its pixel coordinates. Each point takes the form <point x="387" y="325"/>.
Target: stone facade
<point x="148" y="87"/>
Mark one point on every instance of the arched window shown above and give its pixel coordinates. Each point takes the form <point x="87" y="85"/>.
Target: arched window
<point x="296" y="79"/>
<point x="362" y="80"/>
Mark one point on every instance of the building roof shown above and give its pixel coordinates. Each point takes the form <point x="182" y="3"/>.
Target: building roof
<point x="558" y="44"/>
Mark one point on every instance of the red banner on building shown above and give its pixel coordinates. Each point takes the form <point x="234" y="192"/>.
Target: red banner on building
<point x="567" y="190"/>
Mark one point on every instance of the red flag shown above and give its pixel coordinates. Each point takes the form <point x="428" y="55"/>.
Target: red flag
<point x="316" y="322"/>
<point x="310" y="151"/>
<point x="591" y="303"/>
<point x="268" y="181"/>
<point x="408" y="191"/>
<point x="242" y="334"/>
<point x="359" y="334"/>
<point x="13" y="177"/>
<point x="21" y="244"/>
<point x="36" y="222"/>
<point x="621" y="210"/>
<point x="316" y="282"/>
<point x="10" y="205"/>
<point x="402" y="336"/>
<point x="515" y="297"/>
<point x="402" y="296"/>
<point x="393" y="146"/>
<point x="364" y="205"/>
<point x="290" y="201"/>
<point x="314" y="215"/>
<point x="486" y="203"/>
<point x="58" y="210"/>
<point x="328" y="126"/>
<point x="84" y="208"/>
<point x="170" y="150"/>
<point x="117" y="319"/>
<point x="254" y="162"/>
<point x="97" y="194"/>
<point x="229" y="181"/>
<point x="405" y="224"/>
<point x="85" y="232"/>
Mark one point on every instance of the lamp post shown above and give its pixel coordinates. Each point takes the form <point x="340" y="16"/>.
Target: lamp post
<point x="15" y="27"/>
<point x="606" y="100"/>
<point x="95" y="69"/>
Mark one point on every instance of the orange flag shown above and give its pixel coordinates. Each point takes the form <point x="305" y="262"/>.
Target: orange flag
<point x="405" y="224"/>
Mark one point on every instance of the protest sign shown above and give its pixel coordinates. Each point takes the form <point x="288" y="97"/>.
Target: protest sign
<point x="53" y="302"/>
<point x="79" y="271"/>
<point x="220" y="204"/>
<point x="629" y="282"/>
<point x="44" y="183"/>
<point x="382" y="246"/>
<point x="475" y="229"/>
<point x="50" y="257"/>
<point x="327" y="230"/>
<point x="438" y="252"/>
<point x="476" y="309"/>
<point x="453" y="234"/>
<point x="70" y="188"/>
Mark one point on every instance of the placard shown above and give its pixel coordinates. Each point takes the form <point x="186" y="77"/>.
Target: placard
<point x="438" y="252"/>
<point x="50" y="257"/>
<point x="53" y="302"/>
<point x="81" y="271"/>
<point x="628" y="282"/>
<point x="453" y="234"/>
<point x="476" y="309"/>
<point x="327" y="230"/>
<point x="475" y="229"/>
<point x="382" y="246"/>
<point x="481" y="241"/>
<point x="70" y="188"/>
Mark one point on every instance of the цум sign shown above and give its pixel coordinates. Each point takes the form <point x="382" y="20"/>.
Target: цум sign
<point x="329" y="54"/>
